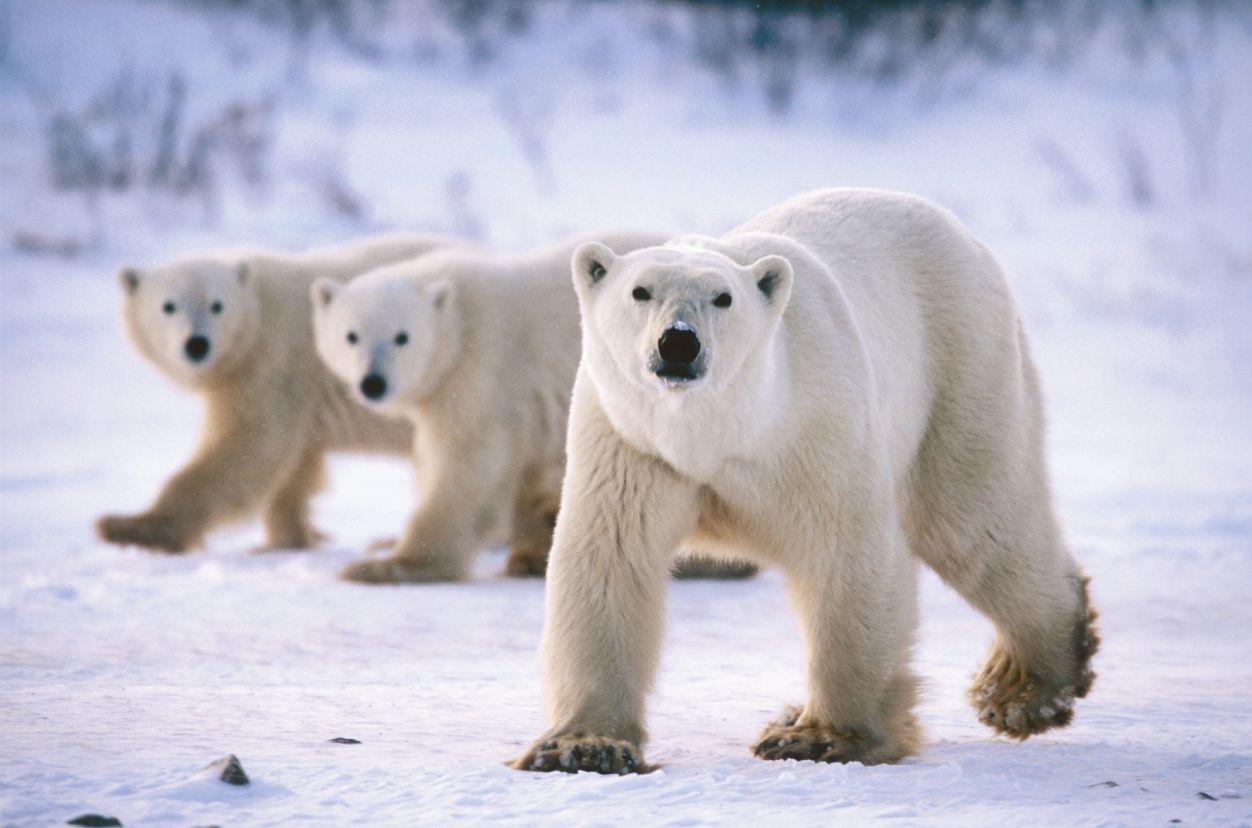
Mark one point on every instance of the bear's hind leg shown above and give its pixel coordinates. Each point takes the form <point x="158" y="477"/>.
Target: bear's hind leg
<point x="988" y="530"/>
<point x="286" y="513"/>
<point x="1031" y="677"/>
<point x="534" y="519"/>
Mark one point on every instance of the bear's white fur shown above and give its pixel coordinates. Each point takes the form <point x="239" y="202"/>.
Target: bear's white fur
<point x="234" y="326"/>
<point x="479" y="352"/>
<point x="862" y="398"/>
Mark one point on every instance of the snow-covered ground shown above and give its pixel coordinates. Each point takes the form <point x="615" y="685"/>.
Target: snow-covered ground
<point x="122" y="674"/>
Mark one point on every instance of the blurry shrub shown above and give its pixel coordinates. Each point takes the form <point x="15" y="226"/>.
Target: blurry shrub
<point x="132" y="137"/>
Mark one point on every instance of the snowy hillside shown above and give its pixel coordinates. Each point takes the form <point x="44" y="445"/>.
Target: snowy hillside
<point x="1102" y="155"/>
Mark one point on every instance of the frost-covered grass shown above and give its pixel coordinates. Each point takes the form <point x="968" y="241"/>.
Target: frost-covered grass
<point x="122" y="674"/>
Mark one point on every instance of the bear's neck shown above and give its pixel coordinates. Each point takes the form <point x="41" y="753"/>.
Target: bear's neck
<point x="698" y="431"/>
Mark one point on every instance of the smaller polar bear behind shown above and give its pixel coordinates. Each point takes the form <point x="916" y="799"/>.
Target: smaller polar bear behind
<point x="479" y="352"/>
<point x="840" y="387"/>
<point x="234" y="327"/>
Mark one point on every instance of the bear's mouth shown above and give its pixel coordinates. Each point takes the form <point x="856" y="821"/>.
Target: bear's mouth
<point x="676" y="374"/>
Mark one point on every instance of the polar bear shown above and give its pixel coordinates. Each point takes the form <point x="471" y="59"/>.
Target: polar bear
<point x="234" y="327"/>
<point x="479" y="352"/>
<point x="839" y="387"/>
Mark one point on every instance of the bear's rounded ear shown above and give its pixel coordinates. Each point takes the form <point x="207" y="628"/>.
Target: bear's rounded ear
<point x="772" y="275"/>
<point x="323" y="291"/>
<point x="441" y="293"/>
<point x="591" y="263"/>
<point x="241" y="272"/>
<point x="128" y="278"/>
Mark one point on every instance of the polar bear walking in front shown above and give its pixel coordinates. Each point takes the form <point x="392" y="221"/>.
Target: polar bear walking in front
<point x="838" y="388"/>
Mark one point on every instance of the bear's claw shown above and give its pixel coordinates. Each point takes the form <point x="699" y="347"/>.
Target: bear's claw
<point x="571" y="754"/>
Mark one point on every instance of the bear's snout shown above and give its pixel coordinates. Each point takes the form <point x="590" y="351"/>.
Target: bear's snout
<point x="679" y="345"/>
<point x="196" y="348"/>
<point x="678" y="355"/>
<point x="373" y="386"/>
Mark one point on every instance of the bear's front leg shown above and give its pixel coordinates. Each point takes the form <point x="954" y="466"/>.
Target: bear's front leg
<point x="236" y="466"/>
<point x="465" y="487"/>
<point x="623" y="515"/>
<point x="858" y="610"/>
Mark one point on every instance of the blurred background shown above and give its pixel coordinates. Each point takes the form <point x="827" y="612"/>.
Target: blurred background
<point x="1101" y="149"/>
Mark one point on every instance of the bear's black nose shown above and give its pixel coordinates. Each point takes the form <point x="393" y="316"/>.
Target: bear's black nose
<point x="196" y="348"/>
<point x="680" y="345"/>
<point x="373" y="386"/>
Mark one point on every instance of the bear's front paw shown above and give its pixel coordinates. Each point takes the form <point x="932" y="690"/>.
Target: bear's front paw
<point x="155" y="532"/>
<point x="526" y="562"/>
<point x="784" y="738"/>
<point x="394" y="571"/>
<point x="571" y="754"/>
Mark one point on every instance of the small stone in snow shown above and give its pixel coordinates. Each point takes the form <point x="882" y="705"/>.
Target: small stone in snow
<point x="1203" y="795"/>
<point x="94" y="820"/>
<point x="231" y="772"/>
<point x="344" y="740"/>
<point x="1108" y="784"/>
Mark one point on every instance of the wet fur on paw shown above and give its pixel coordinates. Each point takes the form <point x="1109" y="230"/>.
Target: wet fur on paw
<point x="783" y="738"/>
<point x="571" y="754"/>
<point x="1017" y="703"/>
<point x="154" y="532"/>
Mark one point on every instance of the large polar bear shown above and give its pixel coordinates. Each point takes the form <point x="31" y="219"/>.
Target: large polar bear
<point x="479" y="352"/>
<point x="839" y="387"/>
<point x="234" y="326"/>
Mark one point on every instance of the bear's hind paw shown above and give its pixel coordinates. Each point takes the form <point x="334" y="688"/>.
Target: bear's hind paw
<point x="571" y="754"/>
<point x="1021" y="710"/>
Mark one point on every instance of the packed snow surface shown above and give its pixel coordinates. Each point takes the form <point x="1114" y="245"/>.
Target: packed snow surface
<point x="124" y="674"/>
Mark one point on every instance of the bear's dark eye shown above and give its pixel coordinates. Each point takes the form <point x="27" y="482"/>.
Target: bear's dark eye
<point x="402" y="338"/>
<point x="722" y="300"/>
<point x="641" y="294"/>
<point x="216" y="307"/>
<point x="169" y="307"/>
<point x="351" y="337"/>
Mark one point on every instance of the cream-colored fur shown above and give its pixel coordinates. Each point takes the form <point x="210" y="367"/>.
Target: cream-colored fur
<point x="865" y="401"/>
<point x="479" y="352"/>
<point x="272" y="410"/>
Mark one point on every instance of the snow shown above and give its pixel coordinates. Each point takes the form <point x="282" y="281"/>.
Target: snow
<point x="123" y="674"/>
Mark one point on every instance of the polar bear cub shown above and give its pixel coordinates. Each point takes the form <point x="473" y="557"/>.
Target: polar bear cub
<point x="234" y="327"/>
<point x="839" y="387"/>
<point x="479" y="352"/>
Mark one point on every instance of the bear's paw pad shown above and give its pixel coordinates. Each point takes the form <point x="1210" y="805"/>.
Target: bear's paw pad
<point x="571" y="754"/>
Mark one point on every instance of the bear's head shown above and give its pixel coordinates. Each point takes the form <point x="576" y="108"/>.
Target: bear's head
<point x="195" y="318"/>
<point x="675" y="319"/>
<point x="385" y="335"/>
